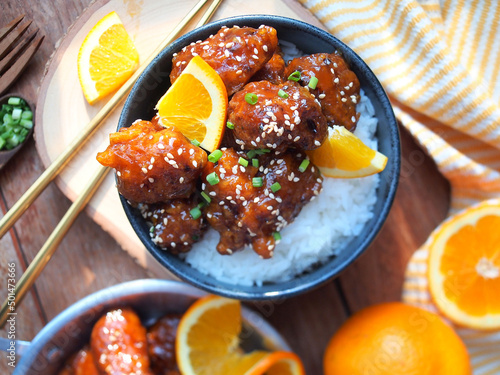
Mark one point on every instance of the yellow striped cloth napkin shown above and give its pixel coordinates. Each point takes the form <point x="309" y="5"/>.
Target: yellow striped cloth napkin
<point x="439" y="61"/>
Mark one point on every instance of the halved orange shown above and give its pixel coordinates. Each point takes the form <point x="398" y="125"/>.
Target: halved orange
<point x="107" y="58"/>
<point x="464" y="267"/>
<point x="207" y="343"/>
<point x="344" y="155"/>
<point x="196" y="104"/>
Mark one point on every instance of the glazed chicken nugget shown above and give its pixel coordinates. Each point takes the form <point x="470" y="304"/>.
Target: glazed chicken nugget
<point x="236" y="54"/>
<point x="249" y="205"/>
<point x="118" y="342"/>
<point x="81" y="363"/>
<point x="153" y="164"/>
<point x="337" y="88"/>
<point x="283" y="116"/>
<point x="175" y="226"/>
<point x="273" y="71"/>
<point x="161" y="344"/>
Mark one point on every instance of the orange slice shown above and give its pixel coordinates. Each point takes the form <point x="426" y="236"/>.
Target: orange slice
<point x="107" y="58"/>
<point x="464" y="267"/>
<point x="344" y="155"/>
<point x="196" y="104"/>
<point x="278" y="363"/>
<point x="207" y="343"/>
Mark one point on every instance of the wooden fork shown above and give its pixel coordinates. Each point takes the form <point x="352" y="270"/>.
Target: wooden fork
<point x="16" y="51"/>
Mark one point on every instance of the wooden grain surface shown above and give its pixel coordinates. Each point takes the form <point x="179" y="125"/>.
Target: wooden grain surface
<point x="82" y="266"/>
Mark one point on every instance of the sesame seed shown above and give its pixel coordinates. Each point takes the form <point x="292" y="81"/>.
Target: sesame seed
<point x="335" y="65"/>
<point x="151" y="179"/>
<point x="331" y="70"/>
<point x="321" y="96"/>
<point x="170" y="156"/>
<point x="229" y="45"/>
<point x="256" y="51"/>
<point x="336" y="80"/>
<point x="226" y="53"/>
<point x="346" y="87"/>
<point x="253" y="143"/>
<point x="296" y="179"/>
<point x="353" y="119"/>
<point x="269" y="208"/>
<point x="172" y="244"/>
<point x="191" y="151"/>
<point x="212" y="193"/>
<point x="255" y="57"/>
<point x="296" y="138"/>
<point x="291" y="127"/>
<point x="238" y="58"/>
<point x="265" y="120"/>
<point x="177" y="63"/>
<point x="264" y="47"/>
<point x="287" y="122"/>
<point x="195" y="163"/>
<point x="297" y="120"/>
<point x="239" y="72"/>
<point x="279" y="171"/>
<point x="179" y="151"/>
<point x="242" y="168"/>
<point x="141" y="186"/>
<point x="351" y="84"/>
<point x="118" y="173"/>
<point x="221" y="44"/>
<point x="317" y="143"/>
<point x="150" y="166"/>
<point x="234" y="169"/>
<point x="343" y="100"/>
<point x="206" y="47"/>
<point x="194" y="54"/>
<point x="342" y="93"/>
<point x="161" y="146"/>
<point x="144" y="170"/>
<point x="181" y="180"/>
<point x="256" y="199"/>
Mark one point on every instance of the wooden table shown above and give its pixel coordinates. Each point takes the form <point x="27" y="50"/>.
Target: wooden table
<point x="81" y="267"/>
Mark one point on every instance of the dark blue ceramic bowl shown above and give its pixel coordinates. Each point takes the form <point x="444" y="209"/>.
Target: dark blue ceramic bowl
<point x="155" y="81"/>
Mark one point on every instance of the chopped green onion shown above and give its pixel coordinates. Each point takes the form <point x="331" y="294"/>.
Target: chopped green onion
<point x="215" y="156"/>
<point x="195" y="213"/>
<point x="206" y="197"/>
<point x="213" y="178"/>
<point x="15" y="122"/>
<point x="16" y="113"/>
<point x="282" y="94"/>
<point x="295" y="76"/>
<point x="230" y="125"/>
<point x="27" y="115"/>
<point x="277" y="236"/>
<point x="275" y="187"/>
<point x="312" y="83"/>
<point x="243" y="162"/>
<point x="152" y="229"/>
<point x="195" y="142"/>
<point x="14" y="101"/>
<point x="251" y="153"/>
<point x="262" y="151"/>
<point x="257" y="182"/>
<point x="251" y="98"/>
<point x="28" y="124"/>
<point x="255" y="163"/>
<point x="303" y="165"/>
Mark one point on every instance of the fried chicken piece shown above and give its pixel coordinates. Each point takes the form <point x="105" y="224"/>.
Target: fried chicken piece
<point x="337" y="88"/>
<point x="161" y="345"/>
<point x="235" y="53"/>
<point x="273" y="71"/>
<point x="293" y="119"/>
<point x="245" y="214"/>
<point x="153" y="164"/>
<point x="81" y="363"/>
<point x="118" y="342"/>
<point x="174" y="228"/>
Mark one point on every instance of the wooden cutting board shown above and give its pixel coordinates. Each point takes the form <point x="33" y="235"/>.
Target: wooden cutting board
<point x="62" y="110"/>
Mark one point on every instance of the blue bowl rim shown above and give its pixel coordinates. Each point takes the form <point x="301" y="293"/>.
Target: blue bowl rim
<point x="265" y="292"/>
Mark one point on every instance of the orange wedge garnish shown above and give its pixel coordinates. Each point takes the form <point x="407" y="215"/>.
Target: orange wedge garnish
<point x="344" y="155"/>
<point x="464" y="267"/>
<point x="107" y="58"/>
<point x="196" y="104"/>
<point x="207" y="343"/>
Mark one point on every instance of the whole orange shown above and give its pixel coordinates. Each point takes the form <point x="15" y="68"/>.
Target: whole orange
<point x="396" y="339"/>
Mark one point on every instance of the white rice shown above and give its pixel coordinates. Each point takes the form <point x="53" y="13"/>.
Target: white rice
<point x="324" y="224"/>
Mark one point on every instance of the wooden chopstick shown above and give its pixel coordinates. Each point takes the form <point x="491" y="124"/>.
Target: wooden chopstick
<point x="45" y="254"/>
<point x="60" y="162"/>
